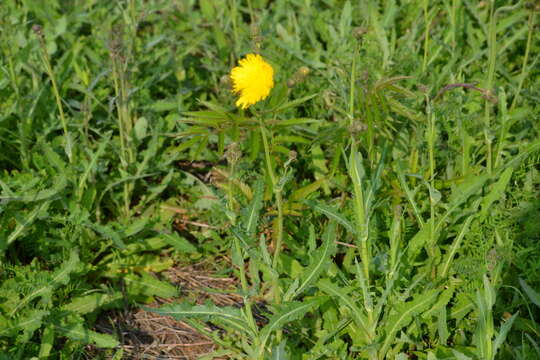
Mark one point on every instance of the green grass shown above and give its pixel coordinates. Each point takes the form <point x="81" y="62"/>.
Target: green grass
<point x="384" y="206"/>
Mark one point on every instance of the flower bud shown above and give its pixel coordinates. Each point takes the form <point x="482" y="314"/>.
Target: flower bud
<point x="298" y="77"/>
<point x="225" y="81"/>
<point x="359" y="32"/>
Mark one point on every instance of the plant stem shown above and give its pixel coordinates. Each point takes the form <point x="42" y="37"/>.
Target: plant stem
<point x="125" y="122"/>
<point x="426" y="35"/>
<point x="492" y="46"/>
<point x="230" y="194"/>
<point x="453" y="22"/>
<point x="279" y="203"/>
<point x="245" y="290"/>
<point x="49" y="69"/>
<point x="279" y="235"/>
<point x="234" y="14"/>
<point x="525" y="59"/>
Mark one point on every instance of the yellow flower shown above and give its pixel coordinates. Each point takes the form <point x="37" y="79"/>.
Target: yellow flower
<point x="253" y="80"/>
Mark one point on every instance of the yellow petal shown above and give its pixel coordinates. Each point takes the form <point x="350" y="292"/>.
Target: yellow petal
<point x="252" y="80"/>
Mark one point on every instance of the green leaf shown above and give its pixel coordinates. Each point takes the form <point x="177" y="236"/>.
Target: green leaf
<point x="87" y="304"/>
<point x="442" y="302"/>
<point x="304" y="191"/>
<point x="403" y="313"/>
<point x="341" y="294"/>
<point x="320" y="261"/>
<point x="357" y="173"/>
<point x="77" y="332"/>
<point x="533" y="295"/>
<point x="294" y="103"/>
<point x="59" y="183"/>
<point x="107" y="232"/>
<point x="461" y="307"/>
<point x="207" y="312"/>
<point x="47" y="341"/>
<point x="332" y="214"/>
<point x="344" y="26"/>
<point x="463" y="191"/>
<point x="147" y="285"/>
<point x="250" y="215"/>
<point x="179" y="243"/>
<point x="293" y="122"/>
<point x="24" y="223"/>
<point x="422" y="237"/>
<point x="60" y="277"/>
<point x="460" y="355"/>
<point x="497" y="191"/>
<point x="29" y="323"/>
<point x="503" y="332"/>
<point x="279" y="353"/>
<point x="286" y="313"/>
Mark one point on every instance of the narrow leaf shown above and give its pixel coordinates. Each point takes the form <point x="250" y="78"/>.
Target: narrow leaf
<point x="332" y="214"/>
<point x="287" y="312"/>
<point x="320" y="261"/>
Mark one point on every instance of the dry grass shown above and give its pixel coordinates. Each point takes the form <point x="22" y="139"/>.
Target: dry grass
<point x="147" y="335"/>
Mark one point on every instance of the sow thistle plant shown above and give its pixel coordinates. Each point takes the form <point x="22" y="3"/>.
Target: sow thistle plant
<point x="253" y="81"/>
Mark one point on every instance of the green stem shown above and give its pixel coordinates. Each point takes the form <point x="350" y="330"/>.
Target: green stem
<point x="279" y="202"/>
<point x="230" y="189"/>
<point x="351" y="88"/>
<point x="492" y="45"/>
<point x="453" y="23"/>
<point x="234" y="14"/>
<point x="269" y="167"/>
<point x="279" y="235"/>
<point x="49" y="69"/>
<point x="245" y="290"/>
<point x="251" y="16"/>
<point x="525" y="59"/>
<point x="125" y="124"/>
<point x="426" y="35"/>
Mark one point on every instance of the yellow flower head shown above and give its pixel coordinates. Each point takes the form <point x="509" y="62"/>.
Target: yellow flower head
<point x="253" y="80"/>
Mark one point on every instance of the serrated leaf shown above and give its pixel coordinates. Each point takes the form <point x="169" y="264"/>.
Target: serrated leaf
<point x="207" y="312"/>
<point x="533" y="295"/>
<point x="60" y="277"/>
<point x="59" y="183"/>
<point x="403" y="314"/>
<point x="442" y="302"/>
<point x="24" y="223"/>
<point x="107" y="232"/>
<point x="78" y="332"/>
<point x="250" y="216"/>
<point x="87" y="304"/>
<point x="341" y="294"/>
<point x="179" y="243"/>
<point x="332" y="214"/>
<point x="496" y="191"/>
<point x="286" y="313"/>
<point x="279" y="353"/>
<point x="422" y="237"/>
<point x="294" y="103"/>
<point x="29" y="323"/>
<point x="503" y="332"/>
<point x="320" y="261"/>
<point x="147" y="285"/>
<point x="293" y="122"/>
<point x="463" y="191"/>
<point x="304" y="191"/>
